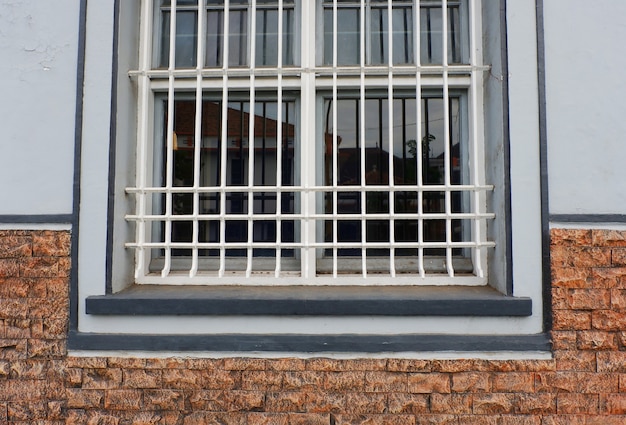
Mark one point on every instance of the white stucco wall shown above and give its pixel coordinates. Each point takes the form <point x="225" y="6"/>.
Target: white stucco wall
<point x="38" y="57"/>
<point x="586" y="105"/>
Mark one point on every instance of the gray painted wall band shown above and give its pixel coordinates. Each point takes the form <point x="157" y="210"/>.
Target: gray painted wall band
<point x="78" y="138"/>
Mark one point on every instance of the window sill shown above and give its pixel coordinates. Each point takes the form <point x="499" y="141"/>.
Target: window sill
<point x="162" y="300"/>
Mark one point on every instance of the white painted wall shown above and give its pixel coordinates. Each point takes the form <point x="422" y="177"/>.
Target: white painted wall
<point x="38" y="56"/>
<point x="586" y="105"/>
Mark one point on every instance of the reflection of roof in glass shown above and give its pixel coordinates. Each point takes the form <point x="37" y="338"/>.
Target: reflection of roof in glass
<point x="238" y="121"/>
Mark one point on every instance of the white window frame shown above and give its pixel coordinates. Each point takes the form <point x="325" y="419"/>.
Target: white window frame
<point x="103" y="266"/>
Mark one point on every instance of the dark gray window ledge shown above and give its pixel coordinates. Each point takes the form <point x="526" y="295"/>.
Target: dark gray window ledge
<point x="160" y="300"/>
<point x="348" y="343"/>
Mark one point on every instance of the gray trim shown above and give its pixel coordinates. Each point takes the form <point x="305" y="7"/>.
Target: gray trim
<point x="153" y="300"/>
<point x="543" y="159"/>
<point x="345" y="343"/>
<point x="506" y="149"/>
<point x="36" y="218"/>
<point x="78" y="140"/>
<point x="112" y="149"/>
<point x="588" y="218"/>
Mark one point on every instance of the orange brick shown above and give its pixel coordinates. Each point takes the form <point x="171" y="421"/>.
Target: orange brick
<point x="163" y="399"/>
<point x="385" y="382"/>
<point x="588" y="299"/>
<point x="607" y="277"/>
<point x="615" y="404"/>
<point x="344" y="419"/>
<point x="571" y="320"/>
<point x="536" y="404"/>
<point x="577" y="403"/>
<point x="39" y="266"/>
<point x="436" y="420"/>
<point x="123" y="399"/>
<point x="596" y="340"/>
<point x="564" y="340"/>
<point x="570" y="277"/>
<point x="484" y="404"/>
<point x="286" y="364"/>
<point x="263" y="418"/>
<point x="261" y="380"/>
<point x="576" y="237"/>
<point x="429" y="383"/>
<point x="575" y="360"/>
<point x="513" y="382"/>
<point x="451" y="403"/>
<point x="408" y="403"/>
<point x="618" y="257"/>
<point x="102" y="378"/>
<point x="519" y="420"/>
<point x="344" y="381"/>
<point x="556" y="382"/>
<point x="576" y="256"/>
<point x="139" y="378"/>
<point x="602" y="237"/>
<point x="303" y="380"/>
<point x="470" y="382"/>
<point x="307" y="419"/>
<point x="408" y="365"/>
<point x="15" y="246"/>
<point x="366" y="403"/>
<point x="78" y="398"/>
<point x="608" y="320"/>
<point x="618" y="299"/>
<point x="245" y="364"/>
<point x="51" y="244"/>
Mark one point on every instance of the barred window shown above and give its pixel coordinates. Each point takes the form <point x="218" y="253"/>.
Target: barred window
<point x="311" y="142"/>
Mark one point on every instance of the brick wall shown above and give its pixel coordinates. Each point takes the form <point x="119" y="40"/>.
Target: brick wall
<point x="584" y="384"/>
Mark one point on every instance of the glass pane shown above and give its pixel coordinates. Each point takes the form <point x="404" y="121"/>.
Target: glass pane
<point x="431" y="38"/>
<point x="238" y="38"/>
<point x="348" y="36"/>
<point x="402" y="35"/>
<point x="267" y="37"/>
<point x="237" y="162"/>
<point x="186" y="39"/>
<point x="214" y="38"/>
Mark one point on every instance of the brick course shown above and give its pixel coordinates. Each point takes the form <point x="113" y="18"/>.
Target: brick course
<point x="585" y="382"/>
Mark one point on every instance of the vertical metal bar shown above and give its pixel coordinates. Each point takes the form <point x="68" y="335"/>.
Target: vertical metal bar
<point x="197" y="138"/>
<point x="419" y="154"/>
<point x="334" y="151"/>
<point x="446" y="132"/>
<point x="251" y="136"/>
<point x="391" y="173"/>
<point x="224" y="141"/>
<point x="279" y="141"/>
<point x="169" y="161"/>
<point x="362" y="145"/>
<point x="142" y="136"/>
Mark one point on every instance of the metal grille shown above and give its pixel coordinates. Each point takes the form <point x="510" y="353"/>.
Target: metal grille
<point x="286" y="141"/>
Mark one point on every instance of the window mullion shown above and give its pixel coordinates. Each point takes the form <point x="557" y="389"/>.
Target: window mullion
<point x="391" y="175"/>
<point x="418" y="138"/>
<point x="197" y="138"/>
<point x="308" y="155"/>
<point x="251" y="137"/>
<point x="279" y="141"/>
<point x="362" y="144"/>
<point x="224" y="141"/>
<point x="169" y="157"/>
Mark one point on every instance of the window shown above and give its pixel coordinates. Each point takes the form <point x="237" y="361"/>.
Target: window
<point x="272" y="144"/>
<point x="341" y="185"/>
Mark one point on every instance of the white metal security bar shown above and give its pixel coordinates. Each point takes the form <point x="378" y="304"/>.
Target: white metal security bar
<point x="321" y="142"/>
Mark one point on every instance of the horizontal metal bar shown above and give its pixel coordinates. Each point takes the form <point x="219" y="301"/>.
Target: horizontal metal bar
<point x="305" y="189"/>
<point x="329" y="216"/>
